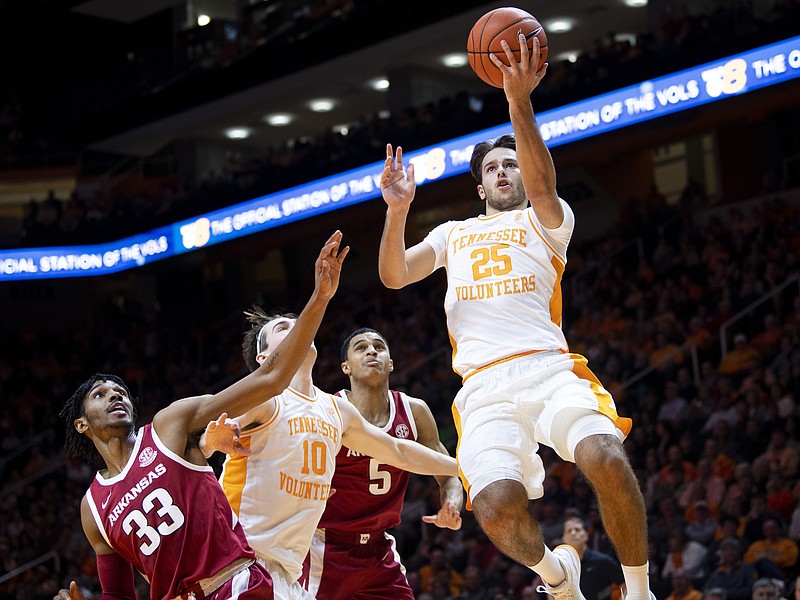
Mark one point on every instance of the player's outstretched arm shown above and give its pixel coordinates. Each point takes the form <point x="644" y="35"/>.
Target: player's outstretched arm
<point x="363" y="437"/>
<point x="174" y="422"/>
<point x="450" y="488"/>
<point x="398" y="266"/>
<point x="535" y="162"/>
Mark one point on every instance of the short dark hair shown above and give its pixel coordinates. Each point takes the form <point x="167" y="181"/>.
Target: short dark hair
<point x="349" y="338"/>
<point x="258" y="318"/>
<point x="77" y="444"/>
<point x="480" y="151"/>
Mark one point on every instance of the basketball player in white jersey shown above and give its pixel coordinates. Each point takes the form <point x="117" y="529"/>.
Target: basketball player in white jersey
<point x="521" y="386"/>
<point x="279" y="484"/>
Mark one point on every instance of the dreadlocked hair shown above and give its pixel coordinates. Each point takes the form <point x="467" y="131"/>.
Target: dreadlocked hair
<point x="250" y="339"/>
<point x="77" y="444"/>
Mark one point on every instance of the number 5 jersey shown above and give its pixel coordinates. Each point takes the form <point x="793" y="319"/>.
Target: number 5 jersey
<point x="168" y="517"/>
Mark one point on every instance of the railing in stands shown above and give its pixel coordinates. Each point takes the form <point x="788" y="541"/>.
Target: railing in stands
<point x="33" y="563"/>
<point x="723" y="329"/>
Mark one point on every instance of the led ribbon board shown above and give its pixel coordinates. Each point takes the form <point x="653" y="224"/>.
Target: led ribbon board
<point x="735" y="75"/>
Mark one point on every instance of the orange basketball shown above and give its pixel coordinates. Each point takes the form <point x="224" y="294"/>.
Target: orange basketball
<point x="493" y="27"/>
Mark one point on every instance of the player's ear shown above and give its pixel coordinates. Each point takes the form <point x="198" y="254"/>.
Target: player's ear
<point x="481" y="192"/>
<point x="346" y="368"/>
<point x="391" y="365"/>
<point x="81" y="424"/>
<point x="261" y="357"/>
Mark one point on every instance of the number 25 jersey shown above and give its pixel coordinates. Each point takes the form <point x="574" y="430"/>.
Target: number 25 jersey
<point x="503" y="295"/>
<point x="168" y="517"/>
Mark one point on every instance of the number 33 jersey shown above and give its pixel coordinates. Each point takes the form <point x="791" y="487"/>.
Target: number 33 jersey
<point x="168" y="517"/>
<point x="503" y="295"/>
<point x="279" y="490"/>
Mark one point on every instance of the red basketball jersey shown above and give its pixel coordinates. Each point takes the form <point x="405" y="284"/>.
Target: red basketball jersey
<point x="369" y="495"/>
<point x="167" y="517"/>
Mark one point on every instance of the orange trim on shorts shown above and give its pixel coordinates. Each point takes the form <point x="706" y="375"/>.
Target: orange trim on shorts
<point x="605" y="404"/>
<point x="461" y="476"/>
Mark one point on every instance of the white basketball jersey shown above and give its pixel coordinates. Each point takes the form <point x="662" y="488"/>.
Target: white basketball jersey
<point x="503" y="285"/>
<point x="279" y="491"/>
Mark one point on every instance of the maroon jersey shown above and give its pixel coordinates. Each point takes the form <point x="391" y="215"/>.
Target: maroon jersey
<point x="369" y="495"/>
<point x="167" y="517"/>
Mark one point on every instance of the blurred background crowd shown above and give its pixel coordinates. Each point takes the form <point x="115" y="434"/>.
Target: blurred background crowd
<point x="687" y="307"/>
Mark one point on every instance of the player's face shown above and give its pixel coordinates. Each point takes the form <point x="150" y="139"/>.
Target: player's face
<point x="273" y="333"/>
<point x="368" y="356"/>
<point x="501" y="185"/>
<point x="106" y="405"/>
<point x="574" y="533"/>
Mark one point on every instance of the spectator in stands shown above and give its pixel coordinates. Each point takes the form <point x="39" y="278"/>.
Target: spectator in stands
<point x="703" y="527"/>
<point x="732" y="575"/>
<point x="685" y="555"/>
<point x="682" y="588"/>
<point x="601" y="574"/>
<point x="783" y="457"/>
<point x="673" y="405"/>
<point x="474" y="589"/>
<point x="780" y="499"/>
<point x="439" y="569"/>
<point x="740" y="359"/>
<point x="758" y="515"/>
<point x="715" y="594"/>
<point x="775" y="548"/>
<point x="765" y="589"/>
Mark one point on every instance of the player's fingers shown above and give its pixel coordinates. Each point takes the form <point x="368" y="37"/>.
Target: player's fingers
<point x="389" y="153"/>
<point x="430" y="518"/>
<point x="523" y="48"/>
<point x="75" y="593"/>
<point x="342" y="254"/>
<point x="411" y="171"/>
<point x="398" y="163"/>
<point x="512" y="60"/>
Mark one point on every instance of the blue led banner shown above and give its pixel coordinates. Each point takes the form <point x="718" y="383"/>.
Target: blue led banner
<point x="659" y="97"/>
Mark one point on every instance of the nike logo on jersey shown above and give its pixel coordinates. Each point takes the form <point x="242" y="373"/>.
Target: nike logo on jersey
<point x="104" y="504"/>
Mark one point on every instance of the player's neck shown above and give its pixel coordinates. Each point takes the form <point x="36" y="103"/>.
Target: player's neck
<point x="302" y="381"/>
<point x="371" y="400"/>
<point x="116" y="452"/>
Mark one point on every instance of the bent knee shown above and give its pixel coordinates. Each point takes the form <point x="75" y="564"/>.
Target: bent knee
<point x="602" y="456"/>
<point x="500" y="505"/>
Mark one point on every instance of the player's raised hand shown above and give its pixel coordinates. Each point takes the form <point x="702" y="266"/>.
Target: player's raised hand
<point x="520" y="78"/>
<point x="328" y="266"/>
<point x="73" y="593"/>
<point x="397" y="186"/>
<point x="447" y="517"/>
<point x="222" y="435"/>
